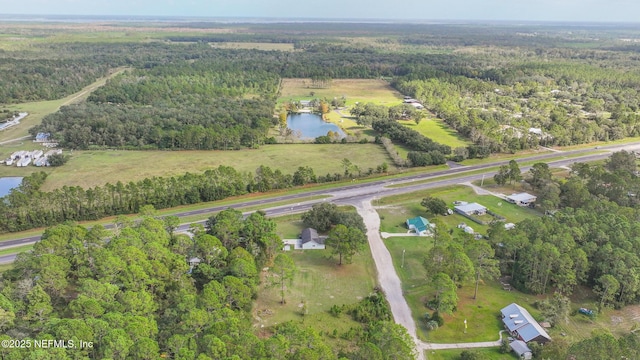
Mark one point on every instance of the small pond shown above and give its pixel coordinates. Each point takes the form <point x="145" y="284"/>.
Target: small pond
<point x="8" y="183"/>
<point x="311" y="125"/>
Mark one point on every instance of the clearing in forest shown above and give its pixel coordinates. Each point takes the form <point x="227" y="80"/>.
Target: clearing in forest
<point x="354" y="90"/>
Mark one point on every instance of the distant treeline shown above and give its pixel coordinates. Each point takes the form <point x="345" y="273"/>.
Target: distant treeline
<point x="23" y="80"/>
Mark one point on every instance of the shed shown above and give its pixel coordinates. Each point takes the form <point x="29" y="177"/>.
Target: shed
<point x="521" y="199"/>
<point x="471" y="209"/>
<point x="311" y="240"/>
<point x="521" y="349"/>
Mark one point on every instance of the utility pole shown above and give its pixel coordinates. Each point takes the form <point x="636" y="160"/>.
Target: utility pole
<point x="402" y="266"/>
<point x="482" y="182"/>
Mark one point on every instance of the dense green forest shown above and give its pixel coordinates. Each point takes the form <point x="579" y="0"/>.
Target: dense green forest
<point x="134" y="295"/>
<point x="592" y="240"/>
<point x="505" y="89"/>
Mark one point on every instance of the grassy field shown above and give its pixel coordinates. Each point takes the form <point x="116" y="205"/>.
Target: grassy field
<point x="481" y="314"/>
<point x="40" y="109"/>
<point x="92" y="168"/>
<point x="437" y="130"/>
<point x="253" y="46"/>
<point x="319" y="284"/>
<point x="354" y="90"/>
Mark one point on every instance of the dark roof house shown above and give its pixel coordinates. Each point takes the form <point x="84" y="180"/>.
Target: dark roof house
<point x="311" y="240"/>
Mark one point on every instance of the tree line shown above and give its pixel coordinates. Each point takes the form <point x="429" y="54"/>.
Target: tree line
<point x="27" y="207"/>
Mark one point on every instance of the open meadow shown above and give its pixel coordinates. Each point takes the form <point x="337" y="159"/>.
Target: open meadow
<point x="319" y="284"/>
<point x="354" y="90"/>
<point x="93" y="168"/>
<point x="438" y="131"/>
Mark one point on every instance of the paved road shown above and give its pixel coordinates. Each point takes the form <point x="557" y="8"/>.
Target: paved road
<point x="355" y="193"/>
<point x="360" y="196"/>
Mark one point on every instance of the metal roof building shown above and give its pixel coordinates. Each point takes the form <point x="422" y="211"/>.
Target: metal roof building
<point x="471" y="209"/>
<point x="522" y="325"/>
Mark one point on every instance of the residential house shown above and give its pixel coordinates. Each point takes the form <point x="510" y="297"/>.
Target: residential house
<point x="471" y="209"/>
<point x="521" y="199"/>
<point x="309" y="239"/>
<point x="419" y="224"/>
<point x="521" y="325"/>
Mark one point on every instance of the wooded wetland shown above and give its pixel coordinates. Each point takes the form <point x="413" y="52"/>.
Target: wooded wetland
<point x="409" y="97"/>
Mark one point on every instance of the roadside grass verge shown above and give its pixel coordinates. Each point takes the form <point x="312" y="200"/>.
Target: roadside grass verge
<point x="15" y="250"/>
<point x="5" y="267"/>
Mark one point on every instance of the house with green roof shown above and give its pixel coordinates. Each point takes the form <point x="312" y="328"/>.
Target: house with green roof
<point x="419" y="224"/>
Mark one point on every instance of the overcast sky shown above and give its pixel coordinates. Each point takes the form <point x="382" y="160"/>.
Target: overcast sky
<point x="545" y="10"/>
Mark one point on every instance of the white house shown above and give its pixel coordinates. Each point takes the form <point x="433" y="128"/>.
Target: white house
<point x="521" y="199"/>
<point x="471" y="209"/>
<point x="309" y="239"/>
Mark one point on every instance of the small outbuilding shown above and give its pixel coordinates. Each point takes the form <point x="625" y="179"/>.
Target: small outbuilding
<point x="471" y="209"/>
<point x="521" y="199"/>
<point x="309" y="239"/>
<point x="419" y="224"/>
<point x="521" y="349"/>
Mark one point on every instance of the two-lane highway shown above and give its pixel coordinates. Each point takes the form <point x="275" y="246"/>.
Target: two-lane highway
<point x="355" y="193"/>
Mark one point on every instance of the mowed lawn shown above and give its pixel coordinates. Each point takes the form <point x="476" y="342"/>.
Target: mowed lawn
<point x="481" y="314"/>
<point x="354" y="90"/>
<point x="438" y="131"/>
<point x="401" y="207"/>
<point x="92" y="168"/>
